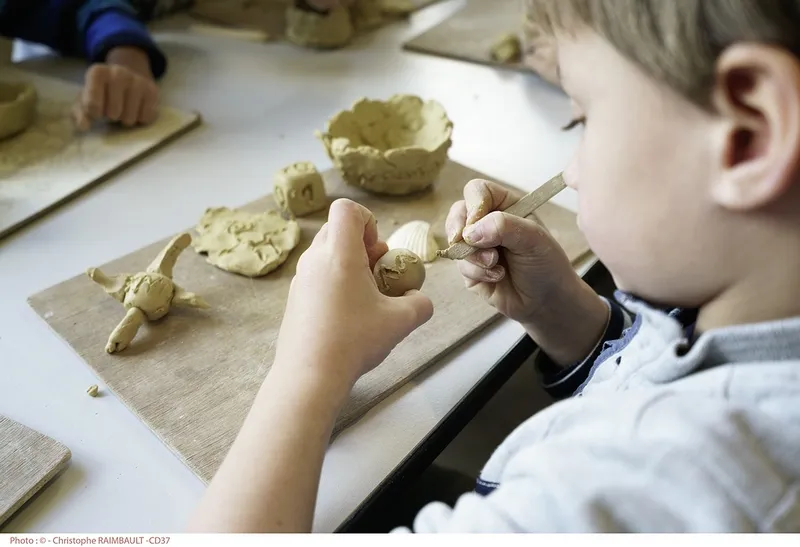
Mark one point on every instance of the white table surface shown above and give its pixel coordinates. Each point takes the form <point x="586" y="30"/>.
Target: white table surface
<point x="261" y="104"/>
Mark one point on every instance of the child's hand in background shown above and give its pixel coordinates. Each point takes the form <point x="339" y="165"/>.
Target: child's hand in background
<point x="120" y="90"/>
<point x="524" y="273"/>
<point x="336" y="322"/>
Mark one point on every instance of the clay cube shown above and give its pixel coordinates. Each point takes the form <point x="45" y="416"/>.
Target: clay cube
<point x="299" y="189"/>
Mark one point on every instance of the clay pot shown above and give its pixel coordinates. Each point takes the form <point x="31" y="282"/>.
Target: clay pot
<point x="17" y="108"/>
<point x="395" y="147"/>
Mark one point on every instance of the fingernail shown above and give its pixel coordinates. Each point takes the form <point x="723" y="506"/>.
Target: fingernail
<point x="495" y="273"/>
<point x="453" y="237"/>
<point x="473" y="234"/>
<point x="485" y="259"/>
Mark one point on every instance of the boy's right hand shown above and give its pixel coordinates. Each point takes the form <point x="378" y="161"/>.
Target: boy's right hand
<point x="525" y="274"/>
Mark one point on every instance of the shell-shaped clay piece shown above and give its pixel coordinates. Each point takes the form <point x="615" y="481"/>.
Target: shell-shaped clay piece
<point x="17" y="107"/>
<point x="416" y="236"/>
<point x="394" y="147"/>
<point x="398" y="272"/>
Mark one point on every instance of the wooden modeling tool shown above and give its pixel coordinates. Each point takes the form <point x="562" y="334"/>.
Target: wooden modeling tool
<point x="525" y="207"/>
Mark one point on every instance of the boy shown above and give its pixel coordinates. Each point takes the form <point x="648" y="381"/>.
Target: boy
<point x="685" y="414"/>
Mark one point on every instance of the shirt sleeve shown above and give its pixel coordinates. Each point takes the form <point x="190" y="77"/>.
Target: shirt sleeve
<point x="88" y="28"/>
<point x="562" y="382"/>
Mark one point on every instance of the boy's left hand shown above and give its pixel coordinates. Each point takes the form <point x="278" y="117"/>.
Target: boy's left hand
<point x="120" y="90"/>
<point x="337" y="325"/>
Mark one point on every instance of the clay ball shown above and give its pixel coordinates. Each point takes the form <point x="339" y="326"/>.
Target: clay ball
<point x="398" y="272"/>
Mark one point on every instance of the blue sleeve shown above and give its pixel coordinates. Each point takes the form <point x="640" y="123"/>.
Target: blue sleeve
<point x="87" y="28"/>
<point x="562" y="382"/>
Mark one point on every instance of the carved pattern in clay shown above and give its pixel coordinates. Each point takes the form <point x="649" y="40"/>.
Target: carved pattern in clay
<point x="395" y="147"/>
<point x="147" y="295"/>
<point x="416" y="236"/>
<point x="17" y="108"/>
<point x="249" y="244"/>
<point x="299" y="189"/>
<point x="398" y="272"/>
<point x="507" y="49"/>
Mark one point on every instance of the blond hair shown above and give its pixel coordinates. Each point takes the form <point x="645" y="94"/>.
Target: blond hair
<point x="676" y="42"/>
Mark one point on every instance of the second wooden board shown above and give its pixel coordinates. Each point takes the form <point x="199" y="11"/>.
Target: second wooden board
<point x="192" y="376"/>
<point x="470" y="33"/>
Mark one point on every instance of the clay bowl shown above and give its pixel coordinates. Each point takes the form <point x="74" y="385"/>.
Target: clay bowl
<point x="17" y="108"/>
<point x="395" y="147"/>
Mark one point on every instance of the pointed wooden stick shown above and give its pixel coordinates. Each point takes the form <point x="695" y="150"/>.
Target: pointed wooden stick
<point x="525" y="207"/>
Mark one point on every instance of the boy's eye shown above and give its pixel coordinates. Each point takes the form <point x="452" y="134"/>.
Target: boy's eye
<point x="574" y="123"/>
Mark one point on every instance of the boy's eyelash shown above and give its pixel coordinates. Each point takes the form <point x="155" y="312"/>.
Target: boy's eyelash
<point x="574" y="123"/>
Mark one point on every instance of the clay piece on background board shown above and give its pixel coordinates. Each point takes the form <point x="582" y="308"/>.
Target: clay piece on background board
<point x="148" y="295"/>
<point x="18" y="102"/>
<point x="366" y="14"/>
<point x="539" y="51"/>
<point x="249" y="244"/>
<point x="397" y="8"/>
<point x="394" y="147"/>
<point x="507" y="49"/>
<point x="398" y="272"/>
<point x="319" y="31"/>
<point x="416" y="236"/>
<point x="299" y="189"/>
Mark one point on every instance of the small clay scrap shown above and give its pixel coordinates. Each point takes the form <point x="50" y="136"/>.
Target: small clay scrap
<point x="18" y="102"/>
<point x="398" y="272"/>
<point x="394" y="147"/>
<point x="147" y="295"/>
<point x="92" y="391"/>
<point x="416" y="236"/>
<point x="319" y="31"/>
<point x="507" y="49"/>
<point x="249" y="244"/>
<point x="299" y="189"/>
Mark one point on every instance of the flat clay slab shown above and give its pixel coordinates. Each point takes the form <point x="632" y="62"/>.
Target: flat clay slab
<point x="51" y="162"/>
<point x="265" y="15"/>
<point x="28" y="461"/>
<point x="192" y="376"/>
<point x="470" y="33"/>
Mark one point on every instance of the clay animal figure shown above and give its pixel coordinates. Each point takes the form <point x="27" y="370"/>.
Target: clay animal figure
<point x="147" y="295"/>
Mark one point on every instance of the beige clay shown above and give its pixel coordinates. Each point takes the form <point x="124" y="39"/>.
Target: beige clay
<point x="249" y="244"/>
<point x="398" y="272"/>
<point x="416" y="236"/>
<point x="147" y="295"/>
<point x="17" y="108"/>
<point x="394" y="147"/>
<point x="507" y="49"/>
<point x="397" y="7"/>
<point x="366" y="14"/>
<point x="299" y="189"/>
<point x="93" y="391"/>
<point x="319" y="31"/>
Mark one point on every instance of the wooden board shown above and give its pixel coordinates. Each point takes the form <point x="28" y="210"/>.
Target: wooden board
<point x="265" y="15"/>
<point x="28" y="461"/>
<point x="193" y="376"/>
<point x="470" y="33"/>
<point x="51" y="162"/>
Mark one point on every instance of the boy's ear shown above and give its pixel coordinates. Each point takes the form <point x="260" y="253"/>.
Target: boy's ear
<point x="757" y="91"/>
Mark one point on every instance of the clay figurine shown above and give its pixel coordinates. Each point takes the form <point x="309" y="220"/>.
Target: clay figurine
<point x="507" y="49"/>
<point x="395" y="147"/>
<point x="249" y="244"/>
<point x="320" y="31"/>
<point x="147" y="295"/>
<point x="17" y="108"/>
<point x="416" y="236"/>
<point x="398" y="272"/>
<point x="299" y="189"/>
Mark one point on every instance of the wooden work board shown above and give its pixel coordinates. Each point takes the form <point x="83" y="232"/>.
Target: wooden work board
<point x="470" y="33"/>
<point x="28" y="462"/>
<point x="51" y="162"/>
<point x="192" y="376"/>
<point x="264" y="15"/>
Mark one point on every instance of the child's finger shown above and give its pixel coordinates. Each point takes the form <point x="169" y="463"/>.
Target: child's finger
<point x="483" y="196"/>
<point x="417" y="309"/>
<point x="497" y="229"/>
<point x="455" y="222"/>
<point x="80" y="118"/>
<point x="149" y="109"/>
<point x="375" y="252"/>
<point x="132" y="106"/>
<point x="480" y="274"/>
<point x="94" y="92"/>
<point x="116" y="90"/>
<point x="351" y="227"/>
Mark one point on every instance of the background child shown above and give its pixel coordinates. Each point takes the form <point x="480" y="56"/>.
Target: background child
<point x="685" y="415"/>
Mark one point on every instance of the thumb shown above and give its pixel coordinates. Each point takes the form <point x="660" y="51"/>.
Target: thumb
<point x="416" y="309"/>
<point x="517" y="235"/>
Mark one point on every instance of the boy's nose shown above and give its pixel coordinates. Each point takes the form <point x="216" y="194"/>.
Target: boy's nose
<point x="571" y="176"/>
